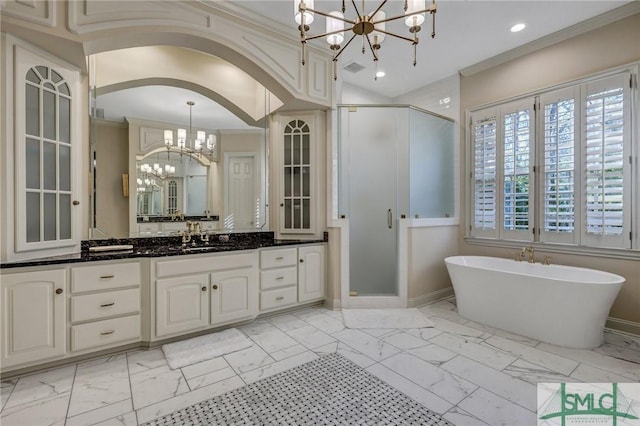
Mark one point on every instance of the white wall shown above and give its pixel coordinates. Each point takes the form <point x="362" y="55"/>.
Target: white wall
<point x="358" y="96"/>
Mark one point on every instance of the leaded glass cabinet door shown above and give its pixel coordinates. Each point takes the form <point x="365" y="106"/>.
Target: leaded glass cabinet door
<point x="47" y="154"/>
<point x="297" y="200"/>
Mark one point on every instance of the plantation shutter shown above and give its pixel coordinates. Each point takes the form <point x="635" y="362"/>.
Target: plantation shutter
<point x="560" y="166"/>
<point x="484" y="176"/>
<point x="606" y="175"/>
<point x="517" y="166"/>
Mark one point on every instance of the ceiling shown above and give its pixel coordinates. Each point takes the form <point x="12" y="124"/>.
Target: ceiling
<point x="467" y="32"/>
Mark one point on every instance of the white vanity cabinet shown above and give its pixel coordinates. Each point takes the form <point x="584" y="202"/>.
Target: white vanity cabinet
<point x="311" y="273"/>
<point x="33" y="316"/>
<point x="196" y="292"/>
<point x="105" y="305"/>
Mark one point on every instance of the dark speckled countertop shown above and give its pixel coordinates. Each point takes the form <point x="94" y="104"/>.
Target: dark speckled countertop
<point x="164" y="246"/>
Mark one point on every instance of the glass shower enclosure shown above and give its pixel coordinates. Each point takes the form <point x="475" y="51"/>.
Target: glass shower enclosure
<point x="394" y="162"/>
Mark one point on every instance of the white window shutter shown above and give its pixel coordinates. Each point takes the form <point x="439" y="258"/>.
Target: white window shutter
<point x="484" y="184"/>
<point x="606" y="174"/>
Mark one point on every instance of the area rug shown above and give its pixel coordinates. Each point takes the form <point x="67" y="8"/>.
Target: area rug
<point x="385" y="318"/>
<point x="329" y="390"/>
<point x="209" y="346"/>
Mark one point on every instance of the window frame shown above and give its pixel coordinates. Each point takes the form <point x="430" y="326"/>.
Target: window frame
<point x="629" y="239"/>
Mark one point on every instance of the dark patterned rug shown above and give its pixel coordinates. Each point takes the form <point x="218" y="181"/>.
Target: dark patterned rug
<point x="330" y="390"/>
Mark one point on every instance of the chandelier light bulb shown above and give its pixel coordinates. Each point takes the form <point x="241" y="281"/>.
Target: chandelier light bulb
<point x="377" y="36"/>
<point x="168" y="137"/>
<point x="335" y="25"/>
<point x="414" y="6"/>
<point x="182" y="137"/>
<point x="308" y="15"/>
<point x="211" y="142"/>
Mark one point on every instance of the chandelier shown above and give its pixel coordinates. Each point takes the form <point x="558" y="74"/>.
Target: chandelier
<point x="200" y="146"/>
<point x="149" y="175"/>
<point x="371" y="27"/>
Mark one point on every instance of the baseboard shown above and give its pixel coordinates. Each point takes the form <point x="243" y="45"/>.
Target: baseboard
<point x="624" y="326"/>
<point x="434" y="296"/>
<point x="333" y="304"/>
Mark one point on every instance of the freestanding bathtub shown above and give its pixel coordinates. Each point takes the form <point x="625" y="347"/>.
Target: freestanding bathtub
<point x="562" y="305"/>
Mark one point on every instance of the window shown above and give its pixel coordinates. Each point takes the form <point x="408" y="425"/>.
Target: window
<point x="563" y="161"/>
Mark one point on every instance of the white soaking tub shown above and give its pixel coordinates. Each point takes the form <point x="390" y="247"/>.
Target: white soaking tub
<point x="562" y="305"/>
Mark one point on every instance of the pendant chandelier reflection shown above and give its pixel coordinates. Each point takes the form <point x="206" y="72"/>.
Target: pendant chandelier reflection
<point x="372" y="27"/>
<point x="202" y="145"/>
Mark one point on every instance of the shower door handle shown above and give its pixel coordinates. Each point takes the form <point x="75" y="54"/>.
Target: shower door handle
<point x="389" y="219"/>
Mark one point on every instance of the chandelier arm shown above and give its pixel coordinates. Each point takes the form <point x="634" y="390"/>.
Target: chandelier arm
<point x="335" y="58"/>
<point x="396" y="35"/>
<point x="395" y="18"/>
<point x="373" y="52"/>
<point x="324" y="35"/>
<point x="348" y="21"/>
<point x="356" y="9"/>
<point x="378" y="9"/>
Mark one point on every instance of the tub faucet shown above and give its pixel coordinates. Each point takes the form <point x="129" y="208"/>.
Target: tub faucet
<point x="529" y="250"/>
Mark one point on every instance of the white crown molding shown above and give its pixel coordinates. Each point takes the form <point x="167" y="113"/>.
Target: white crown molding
<point x="36" y="11"/>
<point x="614" y="15"/>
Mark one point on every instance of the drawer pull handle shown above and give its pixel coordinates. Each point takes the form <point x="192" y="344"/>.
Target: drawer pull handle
<point x="280" y="298"/>
<point x="106" y="305"/>
<point x="59" y="291"/>
<point x="279" y="278"/>
<point x="106" y="277"/>
<point x="106" y="333"/>
<point x="279" y="257"/>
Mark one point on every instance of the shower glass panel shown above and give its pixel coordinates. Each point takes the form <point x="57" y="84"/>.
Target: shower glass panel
<point x="371" y="141"/>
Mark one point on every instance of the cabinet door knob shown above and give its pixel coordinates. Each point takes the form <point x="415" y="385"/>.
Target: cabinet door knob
<point x="301" y="260"/>
<point x="59" y="291"/>
<point x="204" y="288"/>
<point x="215" y="286"/>
<point x="281" y="204"/>
<point x="76" y="202"/>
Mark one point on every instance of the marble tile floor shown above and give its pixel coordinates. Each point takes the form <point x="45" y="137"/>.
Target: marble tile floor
<point x="469" y="373"/>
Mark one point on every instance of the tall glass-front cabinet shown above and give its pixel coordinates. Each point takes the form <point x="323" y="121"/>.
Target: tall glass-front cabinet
<point x="47" y="149"/>
<point x="297" y="151"/>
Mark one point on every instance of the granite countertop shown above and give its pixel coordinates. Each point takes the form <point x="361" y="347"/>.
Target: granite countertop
<point x="163" y="247"/>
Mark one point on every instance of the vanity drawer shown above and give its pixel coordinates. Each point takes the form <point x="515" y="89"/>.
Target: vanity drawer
<point x="274" y="278"/>
<point x="104" y="277"/>
<point x="102" y="305"/>
<point x="105" y="332"/>
<point x="148" y="227"/>
<point x="208" y="225"/>
<point x="278" y="298"/>
<point x="278" y="258"/>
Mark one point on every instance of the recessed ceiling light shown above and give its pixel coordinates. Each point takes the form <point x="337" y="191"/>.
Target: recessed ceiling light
<point x="380" y="74"/>
<point x="517" y="27"/>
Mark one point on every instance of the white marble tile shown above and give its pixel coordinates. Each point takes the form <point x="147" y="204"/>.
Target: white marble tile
<point x="204" y="367"/>
<point x="563" y="365"/>
<point x="508" y="387"/>
<point x="49" y="411"/>
<point x="620" y="339"/>
<point x="311" y="337"/>
<point x="588" y="374"/>
<point x="368" y="345"/>
<point x="288" y="352"/>
<point x="433" y="354"/>
<point x="101" y="414"/>
<point x="211" y="377"/>
<point x="406" y="386"/>
<point x="445" y="304"/>
<point x="337" y="314"/>
<point x="459" y="417"/>
<point x="6" y="387"/>
<point x="595" y="359"/>
<point x="145" y="360"/>
<point x="424" y="333"/>
<point x="403" y="340"/>
<point x="496" y="410"/>
<point x="42" y="385"/>
<point x="437" y="312"/>
<point x="307" y="313"/>
<point x="128" y="419"/>
<point x="271" y="339"/>
<point x="442" y="383"/>
<point x="98" y="383"/>
<point x="170" y="405"/>
<point x="248" y="359"/>
<point x="287" y="322"/>
<point x="382" y="332"/>
<point x="325" y="323"/>
<point x="502" y="333"/>
<point x="155" y="385"/>
<point x="488" y="356"/>
<point x="278" y="367"/>
<point x="630" y="354"/>
<point x="461" y="330"/>
<point x="353" y="355"/>
<point x="535" y="374"/>
<point x="329" y="348"/>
